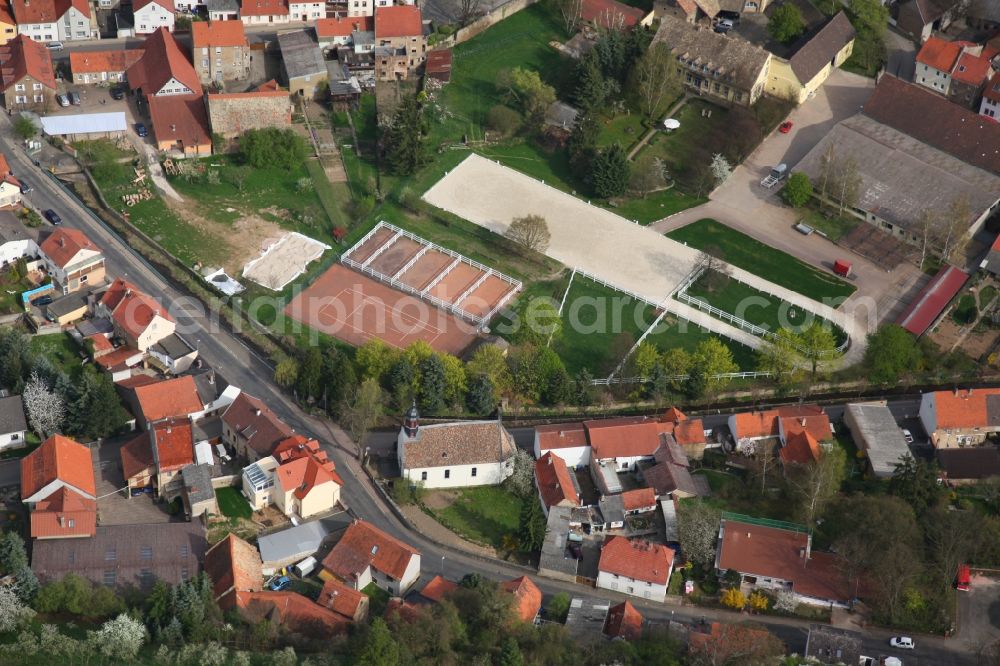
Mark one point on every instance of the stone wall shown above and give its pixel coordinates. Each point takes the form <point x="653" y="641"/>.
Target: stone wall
<point x="481" y="24"/>
<point x="231" y="115"/>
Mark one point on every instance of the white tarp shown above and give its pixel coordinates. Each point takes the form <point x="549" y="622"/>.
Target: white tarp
<point x="84" y="123"/>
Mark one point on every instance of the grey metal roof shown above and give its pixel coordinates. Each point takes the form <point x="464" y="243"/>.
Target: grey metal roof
<point x="301" y="54"/>
<point x="901" y="177"/>
<point x="11" y="228"/>
<point x="585" y="620"/>
<point x="67" y="304"/>
<point x="669" y="509"/>
<point x="198" y="483"/>
<point x="89" y="327"/>
<point x="363" y="37"/>
<point x="818" y="51"/>
<point x="300" y="541"/>
<point x="84" y="123"/>
<point x="726" y="57"/>
<point x="879" y="435"/>
<point x="553" y="555"/>
<point x="223" y="6"/>
<point x="12" y="415"/>
<point x="612" y="508"/>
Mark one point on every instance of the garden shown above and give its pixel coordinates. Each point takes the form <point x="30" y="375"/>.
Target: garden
<point x="232" y="504"/>
<point x="13" y="282"/>
<point x="486" y="515"/>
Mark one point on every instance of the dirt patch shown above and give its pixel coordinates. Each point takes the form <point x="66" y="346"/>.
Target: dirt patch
<point x="439" y="499"/>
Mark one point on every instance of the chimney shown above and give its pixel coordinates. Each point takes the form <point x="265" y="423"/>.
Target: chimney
<point x="803" y="421"/>
<point x="128" y="292"/>
<point x="211" y="377"/>
<point x="257" y="412"/>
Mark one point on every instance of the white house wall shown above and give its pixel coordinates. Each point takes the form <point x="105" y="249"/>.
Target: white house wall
<point x="635" y="588"/>
<point x="12" y="440"/>
<point x="14" y="250"/>
<point x="460" y="476"/>
<point x="928" y="413"/>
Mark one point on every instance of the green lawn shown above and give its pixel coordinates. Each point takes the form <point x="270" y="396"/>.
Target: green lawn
<point x="762" y="260"/>
<point x="625" y="129"/>
<point x="61" y="350"/>
<point x="755" y="306"/>
<point x="332" y="196"/>
<point x="675" y="147"/>
<point x="718" y="481"/>
<point x="11" y="290"/>
<point x="483" y="514"/>
<point x="232" y="503"/>
<point x="600" y="325"/>
<point x="833" y="227"/>
<point x="965" y="311"/>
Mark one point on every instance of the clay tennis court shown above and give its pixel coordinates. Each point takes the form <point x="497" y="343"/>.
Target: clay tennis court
<point x="424" y="271"/>
<point x="355" y="308"/>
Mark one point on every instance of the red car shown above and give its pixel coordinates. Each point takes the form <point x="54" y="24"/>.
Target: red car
<point x="785" y="127"/>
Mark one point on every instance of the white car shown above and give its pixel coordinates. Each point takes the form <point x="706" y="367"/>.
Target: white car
<point x="908" y="436"/>
<point x="902" y="642"/>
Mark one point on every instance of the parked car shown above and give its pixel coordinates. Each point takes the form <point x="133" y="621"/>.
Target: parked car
<point x="908" y="436"/>
<point x="117" y="93"/>
<point x="53" y="217"/>
<point x="25" y="186"/>
<point x="62" y="100"/>
<point x="74" y="98"/>
<point x="785" y="127"/>
<point x="54" y="46"/>
<point x="902" y="642"/>
<point x="42" y="300"/>
<point x="723" y="26"/>
<point x="281" y="584"/>
<point x="140" y="129"/>
<point x="576" y="551"/>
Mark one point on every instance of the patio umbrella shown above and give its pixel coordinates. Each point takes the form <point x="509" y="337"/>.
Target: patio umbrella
<point x="671" y="123"/>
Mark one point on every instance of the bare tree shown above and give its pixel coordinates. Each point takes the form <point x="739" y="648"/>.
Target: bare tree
<point x="827" y="163"/>
<point x="572" y="12"/>
<point x="928" y="225"/>
<point x="468" y="11"/>
<point x="46" y="408"/>
<point x="816" y="483"/>
<point x="714" y="271"/>
<point x="361" y="411"/>
<point x="763" y="463"/>
<point x="656" y="78"/>
<point x="956" y="225"/>
<point x="649" y="174"/>
<point x="848" y="182"/>
<point x="531" y="232"/>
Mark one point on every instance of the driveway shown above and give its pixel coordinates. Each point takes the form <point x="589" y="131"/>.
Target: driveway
<point x="979" y="613"/>
<point x="901" y="55"/>
<point x="743" y="204"/>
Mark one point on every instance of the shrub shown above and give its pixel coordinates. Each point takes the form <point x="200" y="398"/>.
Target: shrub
<point x="272" y="148"/>
<point x="504" y="119"/>
<point x="759" y="601"/>
<point x="798" y="190"/>
<point x="733" y="598"/>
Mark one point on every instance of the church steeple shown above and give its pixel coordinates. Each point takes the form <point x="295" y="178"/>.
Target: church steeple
<point x="411" y="423"/>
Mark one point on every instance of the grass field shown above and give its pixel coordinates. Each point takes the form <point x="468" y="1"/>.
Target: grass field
<point x="675" y="147"/>
<point x="755" y="306"/>
<point x="61" y="350"/>
<point x="484" y="514"/>
<point x="378" y="599"/>
<point x="232" y="503"/>
<point x="762" y="260"/>
<point x="600" y="325"/>
<point x="833" y="227"/>
<point x="10" y="292"/>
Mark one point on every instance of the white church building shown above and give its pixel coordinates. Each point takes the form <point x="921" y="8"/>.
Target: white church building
<point x="454" y="455"/>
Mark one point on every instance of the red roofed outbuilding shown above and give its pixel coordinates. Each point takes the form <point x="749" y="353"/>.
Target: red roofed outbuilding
<point x="438" y="588"/>
<point x="233" y="566"/>
<point x="623" y="622"/>
<point x="292" y="611"/>
<point x="349" y="603"/>
<point x="527" y="598"/>
<point x="613" y="15"/>
<point x="555" y="483"/>
<point x="928" y="305"/>
<point x="59" y="462"/>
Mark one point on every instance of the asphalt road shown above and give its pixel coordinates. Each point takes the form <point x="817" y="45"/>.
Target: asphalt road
<point x="244" y="368"/>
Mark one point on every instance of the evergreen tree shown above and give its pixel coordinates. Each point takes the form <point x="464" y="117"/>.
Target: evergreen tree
<point x="432" y="385"/>
<point x="609" y="172"/>
<point x="400" y="377"/>
<point x="510" y="653"/>
<point x="592" y="88"/>
<point x="582" y="143"/>
<point x="584" y="392"/>
<point x="378" y="647"/>
<point x="532" y="530"/>
<point x="480" y="399"/>
<point x="93" y="410"/>
<point x="696" y="383"/>
<point x="338" y="379"/>
<point x="310" y="372"/>
<point x="405" y="138"/>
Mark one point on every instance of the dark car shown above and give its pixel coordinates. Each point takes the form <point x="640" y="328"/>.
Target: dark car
<point x="74" y="98"/>
<point x="141" y="130"/>
<point x="25" y="187"/>
<point x="42" y="300"/>
<point x="576" y="551"/>
<point x="117" y="93"/>
<point x="53" y="217"/>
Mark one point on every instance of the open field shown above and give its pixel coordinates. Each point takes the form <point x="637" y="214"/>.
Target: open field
<point x="755" y="306"/>
<point x="232" y="503"/>
<point x="484" y="514"/>
<point x="60" y="349"/>
<point x="751" y="255"/>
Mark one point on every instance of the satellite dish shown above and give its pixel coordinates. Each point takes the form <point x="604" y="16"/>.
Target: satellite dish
<point x="671" y="123"/>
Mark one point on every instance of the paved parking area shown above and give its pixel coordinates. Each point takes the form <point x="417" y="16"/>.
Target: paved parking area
<point x="979" y="613"/>
<point x="743" y="204"/>
<point x="115" y="508"/>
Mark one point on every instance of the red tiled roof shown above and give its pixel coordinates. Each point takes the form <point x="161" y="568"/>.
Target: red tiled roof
<point x="398" y="21"/>
<point x="119" y="359"/>
<point x="610" y="14"/>
<point x="21" y="57"/>
<point x="46" y="11"/>
<point x="64" y="513"/>
<point x="940" y="54"/>
<point x="816" y="424"/>
<point x="63" y="244"/>
<point x="691" y="431"/>
<point x="6" y="13"/>
<point x="554" y="482"/>
<point x="756" y="424"/>
<point x="674" y="415"/>
<point x="932" y="299"/>
<point x="136" y="380"/>
<point x="438" y="64"/>
<point x="728" y="641"/>
<point x="636" y="559"/>
<point x="94" y="62"/>
<point x="343" y="26"/>
<point x="561" y="436"/>
<point x="627" y="437"/>
<point x="130" y="308"/>
<point x="58" y="458"/>
<point x="173" y="444"/>
<point x="302" y="475"/>
<point x="251" y="419"/>
<point x="779" y="553"/>
<point x="972" y="69"/>
<point x="100" y="343"/>
<point x="963" y="409"/>
<point x="136" y="455"/>
<point x="180" y="119"/>
<point x="170" y="397"/>
<point x="365" y="545"/>
<point x="263" y="7"/>
<point x="801" y="448"/>
<point x="270" y="86"/>
<point x="166" y="4"/>
<point x="293" y="611"/>
<point x="218" y="33"/>
<point x="527" y="597"/>
<point x="438" y="588"/>
<point x="932" y="119"/>
<point x="341" y="599"/>
<point x="403" y="609"/>
<point x="162" y="61"/>
<point x="640" y="498"/>
<point x="233" y="566"/>
<point x="623" y="621"/>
